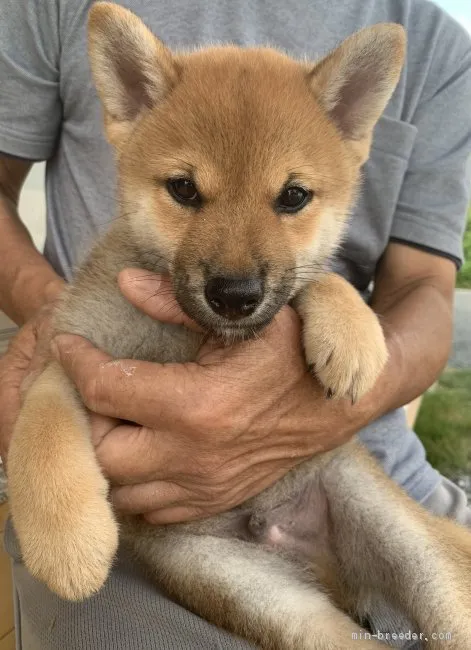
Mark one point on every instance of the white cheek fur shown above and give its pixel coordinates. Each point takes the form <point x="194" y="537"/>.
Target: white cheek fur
<point x="144" y="223"/>
<point x="326" y="239"/>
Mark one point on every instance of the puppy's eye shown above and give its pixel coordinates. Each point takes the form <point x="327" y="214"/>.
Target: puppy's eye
<point x="292" y="199"/>
<point x="184" y="191"/>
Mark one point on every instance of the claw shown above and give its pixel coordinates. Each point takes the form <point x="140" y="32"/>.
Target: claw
<point x="354" y="396"/>
<point x="330" y="393"/>
<point x="354" y="391"/>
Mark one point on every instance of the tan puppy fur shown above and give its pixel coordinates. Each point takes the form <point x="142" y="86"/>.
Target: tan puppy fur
<point x="297" y="566"/>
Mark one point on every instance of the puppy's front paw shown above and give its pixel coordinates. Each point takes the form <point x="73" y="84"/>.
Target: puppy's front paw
<point x="343" y="340"/>
<point x="74" y="557"/>
<point x="346" y="355"/>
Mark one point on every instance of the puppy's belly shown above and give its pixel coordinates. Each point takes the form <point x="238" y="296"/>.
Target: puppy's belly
<point x="299" y="526"/>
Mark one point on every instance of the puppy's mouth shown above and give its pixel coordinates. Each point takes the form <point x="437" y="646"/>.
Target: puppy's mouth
<point x="232" y="308"/>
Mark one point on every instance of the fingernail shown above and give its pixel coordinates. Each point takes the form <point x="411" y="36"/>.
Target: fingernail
<point x="142" y="281"/>
<point x="146" y="288"/>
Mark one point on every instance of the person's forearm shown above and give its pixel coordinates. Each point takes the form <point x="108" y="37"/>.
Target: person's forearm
<point x="27" y="280"/>
<point x="418" y="329"/>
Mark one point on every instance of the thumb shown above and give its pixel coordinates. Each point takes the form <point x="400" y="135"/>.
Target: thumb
<point x="153" y="294"/>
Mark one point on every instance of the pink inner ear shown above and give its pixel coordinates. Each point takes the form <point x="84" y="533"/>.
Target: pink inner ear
<point x="357" y="100"/>
<point x="135" y="85"/>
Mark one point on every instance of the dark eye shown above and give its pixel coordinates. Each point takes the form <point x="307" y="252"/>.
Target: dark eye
<point x="292" y="199"/>
<point x="184" y="191"/>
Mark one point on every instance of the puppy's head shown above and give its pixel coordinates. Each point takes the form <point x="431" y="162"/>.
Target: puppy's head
<point x="238" y="166"/>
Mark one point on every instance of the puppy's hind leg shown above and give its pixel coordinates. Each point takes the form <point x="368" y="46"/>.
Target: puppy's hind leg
<point x="58" y="495"/>
<point x="251" y="592"/>
<point x="391" y="550"/>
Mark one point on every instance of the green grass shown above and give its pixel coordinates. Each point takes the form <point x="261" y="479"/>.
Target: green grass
<point x="464" y="276"/>
<point x="444" y="423"/>
<point x="444" y="420"/>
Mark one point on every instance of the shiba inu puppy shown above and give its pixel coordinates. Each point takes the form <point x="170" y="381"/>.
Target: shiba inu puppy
<point x="237" y="170"/>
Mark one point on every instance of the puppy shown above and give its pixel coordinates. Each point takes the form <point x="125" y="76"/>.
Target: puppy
<point x="237" y="170"/>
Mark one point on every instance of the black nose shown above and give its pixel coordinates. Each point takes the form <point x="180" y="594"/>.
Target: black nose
<point x="234" y="298"/>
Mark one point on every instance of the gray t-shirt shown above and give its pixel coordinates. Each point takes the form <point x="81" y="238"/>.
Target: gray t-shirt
<point x="416" y="185"/>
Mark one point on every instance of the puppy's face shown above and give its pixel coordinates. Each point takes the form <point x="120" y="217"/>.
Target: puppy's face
<point x="241" y="182"/>
<point x="237" y="166"/>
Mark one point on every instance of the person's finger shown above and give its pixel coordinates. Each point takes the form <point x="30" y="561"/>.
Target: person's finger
<point x="281" y="336"/>
<point x="131" y="454"/>
<point x="119" y="388"/>
<point x="101" y="426"/>
<point x="147" y="497"/>
<point x="153" y="294"/>
<point x="14" y="367"/>
<point x="142" y="391"/>
<point x="284" y="330"/>
<point x="177" y="515"/>
<point x="21" y="348"/>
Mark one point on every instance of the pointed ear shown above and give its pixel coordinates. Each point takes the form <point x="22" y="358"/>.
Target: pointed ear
<point x="355" y="82"/>
<point x="132" y="69"/>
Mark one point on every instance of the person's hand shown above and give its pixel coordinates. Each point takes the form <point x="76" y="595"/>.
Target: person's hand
<point x="23" y="360"/>
<point x="210" y="434"/>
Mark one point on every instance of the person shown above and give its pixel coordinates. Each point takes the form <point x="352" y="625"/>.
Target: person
<point x="195" y="448"/>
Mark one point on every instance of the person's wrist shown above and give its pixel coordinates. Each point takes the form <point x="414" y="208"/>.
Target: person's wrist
<point x="53" y="289"/>
<point x="33" y="289"/>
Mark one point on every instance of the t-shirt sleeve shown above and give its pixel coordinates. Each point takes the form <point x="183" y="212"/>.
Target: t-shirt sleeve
<point x="434" y="198"/>
<point x="30" y="105"/>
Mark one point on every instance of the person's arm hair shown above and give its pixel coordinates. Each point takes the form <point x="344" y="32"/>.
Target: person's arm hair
<point x="27" y="280"/>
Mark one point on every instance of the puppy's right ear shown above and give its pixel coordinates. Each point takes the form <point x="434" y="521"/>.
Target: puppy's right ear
<point x="132" y="69"/>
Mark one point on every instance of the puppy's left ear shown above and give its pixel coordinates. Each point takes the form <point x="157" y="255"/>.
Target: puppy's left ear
<point x="132" y="69"/>
<point x="355" y="82"/>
